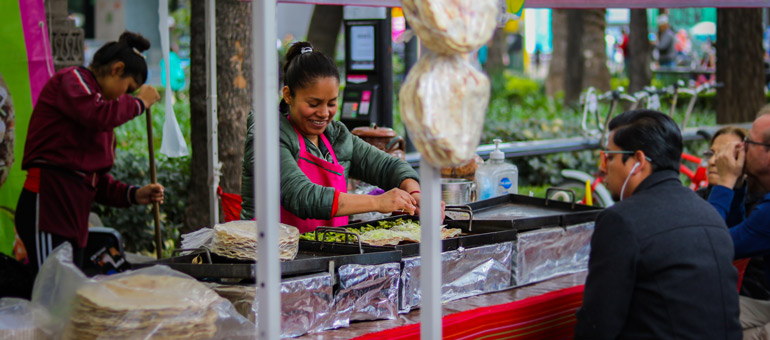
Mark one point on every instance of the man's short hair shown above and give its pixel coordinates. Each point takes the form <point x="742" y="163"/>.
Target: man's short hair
<point x="662" y="19"/>
<point x="652" y="132"/>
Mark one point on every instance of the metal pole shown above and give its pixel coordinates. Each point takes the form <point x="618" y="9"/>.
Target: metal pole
<point x="430" y="251"/>
<point x="267" y="190"/>
<point x="154" y="180"/>
<point x="211" y="111"/>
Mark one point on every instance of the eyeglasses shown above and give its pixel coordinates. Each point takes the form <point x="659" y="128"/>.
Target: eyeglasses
<point x="749" y="141"/>
<point x="603" y="156"/>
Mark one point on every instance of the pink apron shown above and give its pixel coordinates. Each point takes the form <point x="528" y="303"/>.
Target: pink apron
<point x="320" y="172"/>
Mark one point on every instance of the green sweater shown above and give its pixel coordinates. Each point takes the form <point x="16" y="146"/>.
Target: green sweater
<point x="308" y="200"/>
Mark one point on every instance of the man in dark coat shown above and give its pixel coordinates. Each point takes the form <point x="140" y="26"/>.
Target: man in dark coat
<point x="661" y="258"/>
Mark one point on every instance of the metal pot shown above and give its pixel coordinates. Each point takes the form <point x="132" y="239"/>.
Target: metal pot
<point x="456" y="191"/>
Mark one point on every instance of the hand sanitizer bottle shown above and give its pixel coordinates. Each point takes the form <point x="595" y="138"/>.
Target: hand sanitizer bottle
<point x="496" y="177"/>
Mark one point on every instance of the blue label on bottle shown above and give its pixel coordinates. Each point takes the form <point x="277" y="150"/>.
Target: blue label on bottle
<point x="505" y="183"/>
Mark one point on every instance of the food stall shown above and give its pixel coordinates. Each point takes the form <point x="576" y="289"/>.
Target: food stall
<point x="326" y="285"/>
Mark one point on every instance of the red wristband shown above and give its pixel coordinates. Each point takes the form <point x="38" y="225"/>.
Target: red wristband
<point x="414" y="192"/>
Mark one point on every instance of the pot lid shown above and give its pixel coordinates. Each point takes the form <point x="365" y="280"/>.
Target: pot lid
<point x="374" y="131"/>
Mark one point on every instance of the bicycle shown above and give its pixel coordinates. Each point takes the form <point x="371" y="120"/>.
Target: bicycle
<point x="576" y="180"/>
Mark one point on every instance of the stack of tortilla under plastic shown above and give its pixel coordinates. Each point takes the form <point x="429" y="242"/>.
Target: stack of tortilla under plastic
<point x="143" y="307"/>
<point x="238" y="240"/>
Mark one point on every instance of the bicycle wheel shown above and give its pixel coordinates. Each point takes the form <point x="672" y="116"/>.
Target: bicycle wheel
<point x="580" y="193"/>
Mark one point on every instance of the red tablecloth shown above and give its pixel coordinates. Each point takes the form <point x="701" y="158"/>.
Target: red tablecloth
<point x="547" y="316"/>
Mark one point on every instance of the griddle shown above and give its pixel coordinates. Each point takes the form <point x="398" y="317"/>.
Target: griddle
<point x="523" y="213"/>
<point x="310" y="259"/>
<point x="471" y="236"/>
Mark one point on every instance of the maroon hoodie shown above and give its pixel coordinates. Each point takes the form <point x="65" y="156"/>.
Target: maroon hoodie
<point x="71" y="129"/>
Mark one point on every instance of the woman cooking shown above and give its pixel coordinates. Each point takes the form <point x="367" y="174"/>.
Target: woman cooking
<point x="318" y="154"/>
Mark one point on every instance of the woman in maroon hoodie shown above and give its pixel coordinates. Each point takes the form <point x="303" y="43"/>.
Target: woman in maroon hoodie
<point x="70" y="148"/>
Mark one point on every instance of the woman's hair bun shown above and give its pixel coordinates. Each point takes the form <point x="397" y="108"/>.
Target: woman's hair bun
<point x="134" y="40"/>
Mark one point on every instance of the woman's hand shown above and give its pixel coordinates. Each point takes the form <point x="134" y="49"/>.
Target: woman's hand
<point x="149" y="193"/>
<point x="148" y="94"/>
<point x="416" y="196"/>
<point x="729" y="162"/>
<point x="395" y="200"/>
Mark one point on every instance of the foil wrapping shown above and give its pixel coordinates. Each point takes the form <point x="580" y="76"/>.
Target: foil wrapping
<point x="366" y="292"/>
<point x="306" y="303"/>
<point x="545" y="253"/>
<point x="465" y="272"/>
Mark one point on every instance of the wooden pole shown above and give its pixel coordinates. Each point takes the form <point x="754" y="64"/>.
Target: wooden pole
<point x="154" y="180"/>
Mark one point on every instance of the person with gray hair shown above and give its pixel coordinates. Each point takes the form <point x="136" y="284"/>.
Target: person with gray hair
<point x="751" y="236"/>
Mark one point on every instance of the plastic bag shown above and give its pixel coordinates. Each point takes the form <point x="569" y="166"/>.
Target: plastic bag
<point x="452" y="26"/>
<point x="238" y="240"/>
<point x="173" y="143"/>
<point x="153" y="302"/>
<point x="443" y="104"/>
<point x="22" y="320"/>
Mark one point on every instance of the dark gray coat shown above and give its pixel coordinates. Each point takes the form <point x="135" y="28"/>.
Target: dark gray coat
<point x="660" y="268"/>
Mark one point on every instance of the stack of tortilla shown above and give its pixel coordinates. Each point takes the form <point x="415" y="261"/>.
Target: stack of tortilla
<point x="452" y="26"/>
<point x="443" y="104"/>
<point x="238" y="240"/>
<point x="144" y="307"/>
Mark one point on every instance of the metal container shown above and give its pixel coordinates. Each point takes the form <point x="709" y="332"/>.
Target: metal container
<point x="456" y="191"/>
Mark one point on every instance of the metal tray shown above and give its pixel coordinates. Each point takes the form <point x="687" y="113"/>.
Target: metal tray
<point x="522" y="213"/>
<point x="310" y="259"/>
<point x="472" y="235"/>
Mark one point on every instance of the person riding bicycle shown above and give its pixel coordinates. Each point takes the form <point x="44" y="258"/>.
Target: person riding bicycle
<point x="660" y="262"/>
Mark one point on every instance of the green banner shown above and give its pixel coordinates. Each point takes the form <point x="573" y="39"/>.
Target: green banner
<point x="24" y="67"/>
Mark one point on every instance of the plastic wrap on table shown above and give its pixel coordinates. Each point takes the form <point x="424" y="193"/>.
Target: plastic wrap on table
<point x="550" y="252"/>
<point x="443" y="104"/>
<point x="366" y="292"/>
<point x="465" y="272"/>
<point x="238" y="240"/>
<point x="452" y="26"/>
<point x="22" y="320"/>
<point x="306" y="303"/>
<point x="153" y="302"/>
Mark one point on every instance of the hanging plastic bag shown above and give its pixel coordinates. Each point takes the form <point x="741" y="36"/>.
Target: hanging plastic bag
<point x="452" y="26"/>
<point x="443" y="104"/>
<point x="173" y="143"/>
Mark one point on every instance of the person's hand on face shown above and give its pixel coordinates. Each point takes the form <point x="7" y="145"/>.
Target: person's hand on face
<point x="729" y="162"/>
<point x="718" y="143"/>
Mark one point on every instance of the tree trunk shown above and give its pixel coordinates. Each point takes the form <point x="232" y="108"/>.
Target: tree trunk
<point x="639" y="48"/>
<point x="596" y="73"/>
<point x="554" y="82"/>
<point x="324" y="28"/>
<point x="740" y="65"/>
<point x="233" y="87"/>
<point x="196" y="212"/>
<point x="495" y="51"/>
<point x="575" y="58"/>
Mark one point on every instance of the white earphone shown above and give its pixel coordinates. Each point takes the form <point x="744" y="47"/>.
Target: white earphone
<point x="623" y="189"/>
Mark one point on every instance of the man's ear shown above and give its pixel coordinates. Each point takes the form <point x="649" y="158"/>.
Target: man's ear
<point x="640" y="158"/>
<point x="117" y="68"/>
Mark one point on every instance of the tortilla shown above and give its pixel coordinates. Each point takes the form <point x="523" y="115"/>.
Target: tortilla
<point x="144" y="306"/>
<point x="452" y="26"/>
<point x="443" y="104"/>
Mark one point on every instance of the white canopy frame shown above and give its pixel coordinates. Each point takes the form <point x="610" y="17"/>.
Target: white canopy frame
<point x="266" y="164"/>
